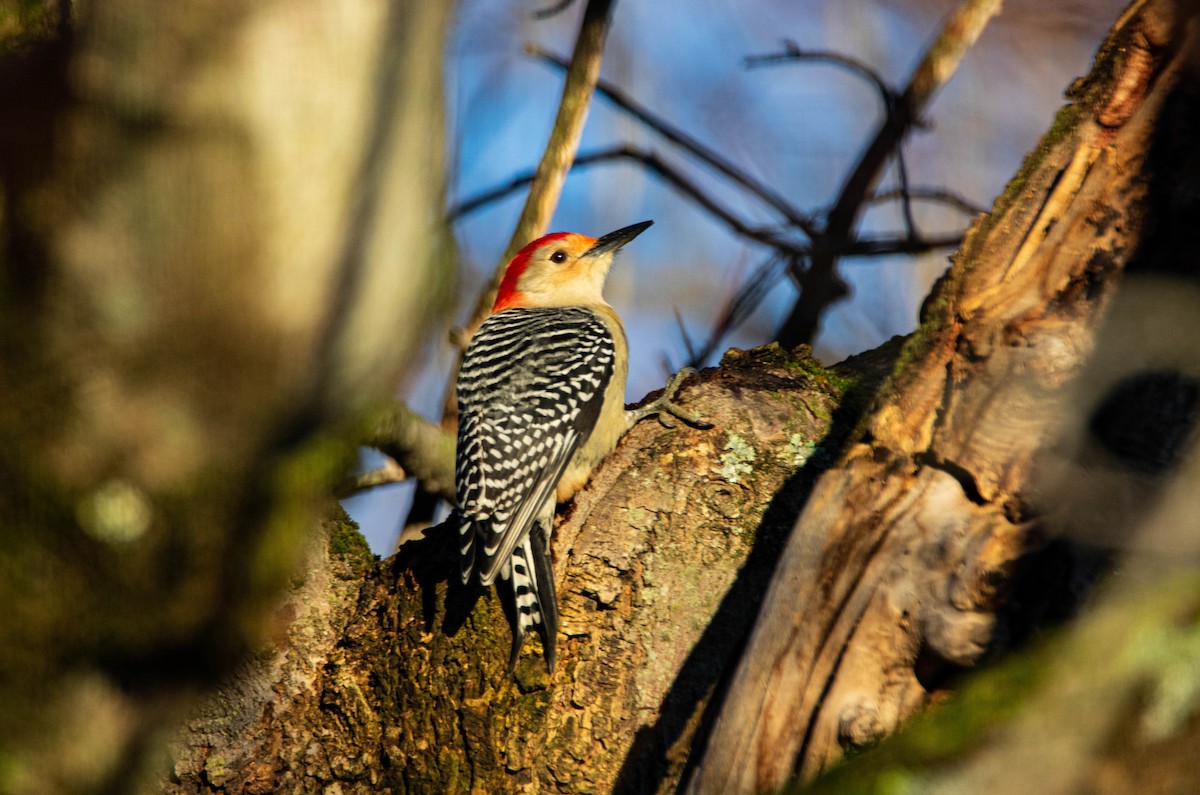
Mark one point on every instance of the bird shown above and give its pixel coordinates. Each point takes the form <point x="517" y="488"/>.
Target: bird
<point x="541" y="402"/>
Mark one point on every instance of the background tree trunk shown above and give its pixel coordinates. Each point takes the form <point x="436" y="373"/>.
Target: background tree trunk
<point x="923" y="548"/>
<point x="201" y="207"/>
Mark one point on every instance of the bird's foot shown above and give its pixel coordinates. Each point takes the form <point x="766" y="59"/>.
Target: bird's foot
<point x="664" y="405"/>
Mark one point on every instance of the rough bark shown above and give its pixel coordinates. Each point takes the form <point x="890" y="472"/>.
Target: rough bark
<point x="661" y="564"/>
<point x="1107" y="706"/>
<point x="871" y="602"/>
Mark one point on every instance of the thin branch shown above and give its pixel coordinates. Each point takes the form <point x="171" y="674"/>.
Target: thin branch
<point x="910" y="224"/>
<point x="735" y="312"/>
<point x="544" y="192"/>
<point x="750" y="297"/>
<point x="425" y="450"/>
<point x="664" y="171"/>
<point x="935" y="195"/>
<point x="887" y="246"/>
<point x="553" y="10"/>
<point x="959" y="32"/>
<point x="869" y="247"/>
<point x="687" y="340"/>
<point x="791" y="214"/>
<point x="492" y="195"/>
<point x="792" y="52"/>
<point x="389" y="473"/>
<point x="677" y="180"/>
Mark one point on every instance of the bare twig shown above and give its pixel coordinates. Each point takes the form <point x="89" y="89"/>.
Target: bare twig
<point x="427" y="451"/>
<point x="688" y="346"/>
<point x="910" y="224"/>
<point x="935" y="195"/>
<point x="552" y="10"/>
<point x="582" y="74"/>
<point x="664" y="171"/>
<point x="888" y="246"/>
<point x="689" y="144"/>
<point x="871" y="247"/>
<point x="390" y="472"/>
<point x="792" y="52"/>
<point x="735" y="312"/>
<point x="481" y="200"/>
<point x="660" y="168"/>
<point x="546" y="187"/>
<point x="939" y="63"/>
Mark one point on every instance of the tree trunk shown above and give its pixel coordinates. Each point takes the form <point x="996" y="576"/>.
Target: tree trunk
<point x="923" y="549"/>
<point x="901" y="560"/>
<point x="661" y="564"/>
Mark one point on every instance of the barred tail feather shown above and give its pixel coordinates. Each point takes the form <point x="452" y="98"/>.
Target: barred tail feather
<point x="547" y="593"/>
<point x="466" y="546"/>
<point x="535" y="598"/>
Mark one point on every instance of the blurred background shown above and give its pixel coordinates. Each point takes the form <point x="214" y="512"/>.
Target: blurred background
<point x="797" y="127"/>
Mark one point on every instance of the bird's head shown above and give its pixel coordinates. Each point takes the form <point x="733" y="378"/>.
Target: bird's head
<point x="562" y="269"/>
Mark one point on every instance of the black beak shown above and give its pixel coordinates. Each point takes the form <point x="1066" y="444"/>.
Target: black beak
<point x="614" y="240"/>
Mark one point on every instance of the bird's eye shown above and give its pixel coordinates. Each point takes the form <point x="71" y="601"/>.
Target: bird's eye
<point x="559" y="256"/>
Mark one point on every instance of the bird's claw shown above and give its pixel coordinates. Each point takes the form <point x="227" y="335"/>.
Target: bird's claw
<point x="664" y="405"/>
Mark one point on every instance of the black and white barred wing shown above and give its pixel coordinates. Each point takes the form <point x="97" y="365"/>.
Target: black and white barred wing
<point x="529" y="393"/>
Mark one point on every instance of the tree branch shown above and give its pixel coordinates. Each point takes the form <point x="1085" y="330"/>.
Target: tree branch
<point x="415" y="674"/>
<point x="426" y="451"/>
<point x="793" y="52"/>
<point x="939" y="63"/>
<point x="389" y="473"/>
<point x="556" y="8"/>
<point x="871" y="607"/>
<point x="652" y="162"/>
<point x="658" y="167"/>
<point x="936" y="195"/>
<point x="546" y="185"/>
<point x="583" y="72"/>
<point x="791" y="214"/>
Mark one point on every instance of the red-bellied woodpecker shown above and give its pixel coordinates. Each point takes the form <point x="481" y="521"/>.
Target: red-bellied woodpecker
<point x="541" y="402"/>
